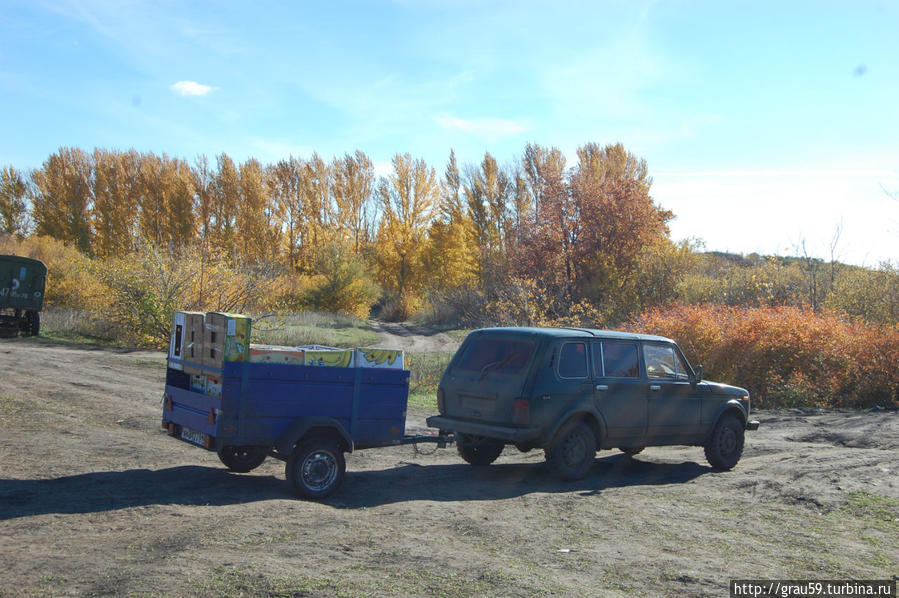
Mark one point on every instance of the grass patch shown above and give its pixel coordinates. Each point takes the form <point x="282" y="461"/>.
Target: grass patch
<point x="424" y="400"/>
<point x="73" y="327"/>
<point x="239" y="582"/>
<point x="458" y="335"/>
<point x="880" y="511"/>
<point x="313" y="328"/>
<point x="10" y="407"/>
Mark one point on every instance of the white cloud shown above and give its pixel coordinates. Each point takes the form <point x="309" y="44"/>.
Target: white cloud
<point x="191" y="88"/>
<point x="491" y="129"/>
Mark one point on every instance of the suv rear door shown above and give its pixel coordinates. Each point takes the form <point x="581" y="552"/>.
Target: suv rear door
<point x="619" y="388"/>
<point x="487" y="376"/>
<point x="563" y="381"/>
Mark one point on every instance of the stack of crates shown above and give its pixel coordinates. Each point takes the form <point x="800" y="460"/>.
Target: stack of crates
<point x="208" y="340"/>
<point x="187" y="337"/>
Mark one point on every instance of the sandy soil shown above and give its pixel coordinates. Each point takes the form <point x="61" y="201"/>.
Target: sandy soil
<point x="96" y="500"/>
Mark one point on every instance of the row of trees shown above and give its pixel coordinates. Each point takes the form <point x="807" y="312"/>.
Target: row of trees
<point x="579" y="231"/>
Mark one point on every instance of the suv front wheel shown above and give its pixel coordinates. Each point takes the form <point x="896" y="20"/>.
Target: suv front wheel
<point x="571" y="455"/>
<point x="725" y="445"/>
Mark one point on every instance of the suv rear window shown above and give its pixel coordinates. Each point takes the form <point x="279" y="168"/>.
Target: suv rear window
<point x="573" y="360"/>
<point x="508" y="356"/>
<point x="618" y="359"/>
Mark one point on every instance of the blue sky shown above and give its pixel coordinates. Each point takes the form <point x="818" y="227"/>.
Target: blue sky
<point x="764" y="124"/>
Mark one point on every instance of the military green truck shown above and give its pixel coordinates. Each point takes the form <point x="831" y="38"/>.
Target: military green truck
<point x="22" y="282"/>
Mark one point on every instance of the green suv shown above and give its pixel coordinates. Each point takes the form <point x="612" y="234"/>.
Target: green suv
<point x="574" y="391"/>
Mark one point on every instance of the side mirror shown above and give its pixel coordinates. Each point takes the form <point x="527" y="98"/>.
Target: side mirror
<point x="697" y="375"/>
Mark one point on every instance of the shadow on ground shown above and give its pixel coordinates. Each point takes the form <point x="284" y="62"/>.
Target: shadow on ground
<point x="197" y="485"/>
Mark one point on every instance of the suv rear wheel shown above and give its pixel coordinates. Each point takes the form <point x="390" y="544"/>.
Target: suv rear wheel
<point x="478" y="450"/>
<point x="571" y="455"/>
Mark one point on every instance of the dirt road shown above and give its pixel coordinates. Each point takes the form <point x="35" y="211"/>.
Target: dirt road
<point x="95" y="500"/>
<point x="410" y="337"/>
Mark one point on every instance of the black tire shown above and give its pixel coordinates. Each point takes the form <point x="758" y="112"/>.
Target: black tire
<point x="242" y="459"/>
<point x="572" y="454"/>
<point x="725" y="445"/>
<point x="478" y="450"/>
<point x="316" y="468"/>
<point x="630" y="451"/>
<point x="35" y="323"/>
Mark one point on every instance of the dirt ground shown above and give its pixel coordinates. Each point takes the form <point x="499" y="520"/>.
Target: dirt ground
<point x="96" y="500"/>
<point x="410" y="337"/>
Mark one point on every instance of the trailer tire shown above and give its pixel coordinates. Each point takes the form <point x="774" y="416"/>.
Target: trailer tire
<point x="316" y="468"/>
<point x="241" y="459"/>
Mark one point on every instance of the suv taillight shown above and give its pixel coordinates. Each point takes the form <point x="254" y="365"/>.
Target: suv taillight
<point x="521" y="412"/>
<point x="440" y="403"/>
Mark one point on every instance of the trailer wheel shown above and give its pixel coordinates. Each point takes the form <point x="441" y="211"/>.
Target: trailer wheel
<point x="242" y="459"/>
<point x="316" y="468"/>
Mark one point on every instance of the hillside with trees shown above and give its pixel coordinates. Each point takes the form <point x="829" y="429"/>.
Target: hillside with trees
<point x="130" y="236"/>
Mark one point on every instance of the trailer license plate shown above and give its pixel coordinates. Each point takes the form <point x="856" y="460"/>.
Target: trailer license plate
<point x="193" y="437"/>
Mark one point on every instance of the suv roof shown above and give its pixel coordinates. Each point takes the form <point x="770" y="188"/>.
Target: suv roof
<point x="575" y="332"/>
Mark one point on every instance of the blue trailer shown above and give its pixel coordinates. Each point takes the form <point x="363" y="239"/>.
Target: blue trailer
<point x="307" y="416"/>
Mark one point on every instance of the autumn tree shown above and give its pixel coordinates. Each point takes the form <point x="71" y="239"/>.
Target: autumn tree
<point x="284" y="184"/>
<point x="486" y="191"/>
<point x="166" y="202"/>
<point x="116" y="192"/>
<point x="13" y="208"/>
<point x="62" y="200"/>
<point x="225" y="195"/>
<point x="255" y="232"/>
<point x="408" y="202"/>
<point x="353" y="180"/>
<point x="453" y="251"/>
<point x="545" y="251"/>
<point x="203" y="180"/>
<point x="314" y="185"/>
<point x="614" y="219"/>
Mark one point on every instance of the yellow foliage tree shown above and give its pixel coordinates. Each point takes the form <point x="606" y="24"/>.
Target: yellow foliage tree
<point x="453" y="249"/>
<point x="408" y="201"/>
<point x="13" y="211"/>
<point x="116" y="191"/>
<point x="62" y="198"/>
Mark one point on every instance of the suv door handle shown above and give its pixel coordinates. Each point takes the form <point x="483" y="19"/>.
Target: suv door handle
<point x="655" y="387"/>
<point x="602" y="387"/>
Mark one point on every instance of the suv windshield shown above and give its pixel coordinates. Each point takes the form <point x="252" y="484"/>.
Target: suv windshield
<point x="484" y="355"/>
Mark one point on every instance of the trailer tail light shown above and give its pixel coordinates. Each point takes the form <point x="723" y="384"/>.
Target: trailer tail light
<point x="169" y="403"/>
<point x="210" y="419"/>
<point x="207" y="441"/>
<point x="521" y="412"/>
<point x="441" y="404"/>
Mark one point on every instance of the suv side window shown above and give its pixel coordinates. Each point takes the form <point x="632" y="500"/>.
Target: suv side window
<point x="663" y="362"/>
<point x="573" y="360"/>
<point x="616" y="359"/>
